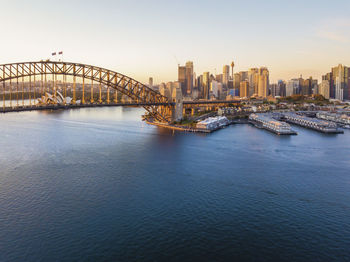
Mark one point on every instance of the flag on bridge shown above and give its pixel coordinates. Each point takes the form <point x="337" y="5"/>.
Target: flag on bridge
<point x="60" y="53"/>
<point x="53" y="54"/>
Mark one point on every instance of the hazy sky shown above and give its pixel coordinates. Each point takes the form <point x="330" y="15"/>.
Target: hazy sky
<point x="148" y="38"/>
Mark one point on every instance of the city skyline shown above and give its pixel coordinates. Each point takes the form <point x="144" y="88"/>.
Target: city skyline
<point x="291" y="39"/>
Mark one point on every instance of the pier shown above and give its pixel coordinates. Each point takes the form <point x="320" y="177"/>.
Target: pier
<point x="323" y="126"/>
<point x="266" y="121"/>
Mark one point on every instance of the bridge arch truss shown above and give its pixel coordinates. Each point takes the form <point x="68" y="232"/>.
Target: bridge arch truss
<point x="157" y="106"/>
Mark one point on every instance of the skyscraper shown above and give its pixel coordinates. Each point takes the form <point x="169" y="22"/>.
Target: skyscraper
<point x="292" y="87"/>
<point x="253" y="79"/>
<point x="150" y="82"/>
<point x="236" y="81"/>
<point x="325" y="88"/>
<point x="281" y="88"/>
<point x="306" y="87"/>
<point x="189" y="77"/>
<point x="226" y="75"/>
<point x="263" y="84"/>
<point x="329" y="78"/>
<point x="182" y="78"/>
<point x="206" y="85"/>
<point x="244" y="89"/>
<point x="341" y="82"/>
<point x="244" y="75"/>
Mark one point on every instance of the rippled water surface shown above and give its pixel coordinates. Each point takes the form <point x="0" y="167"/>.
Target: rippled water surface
<point x="101" y="185"/>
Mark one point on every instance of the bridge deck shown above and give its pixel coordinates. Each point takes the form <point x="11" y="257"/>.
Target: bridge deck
<point x="71" y="106"/>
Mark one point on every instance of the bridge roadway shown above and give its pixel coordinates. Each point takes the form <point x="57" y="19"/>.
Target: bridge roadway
<point x="187" y="104"/>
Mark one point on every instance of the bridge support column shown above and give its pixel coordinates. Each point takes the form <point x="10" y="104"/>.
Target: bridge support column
<point x="178" y="110"/>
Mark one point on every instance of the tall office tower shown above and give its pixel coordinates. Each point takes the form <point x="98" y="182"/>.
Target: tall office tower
<point x="253" y="79"/>
<point x="161" y="88"/>
<point x="281" y="88"/>
<point x="200" y="85"/>
<point x="206" y="85"/>
<point x="173" y="86"/>
<point x="182" y="78"/>
<point x="170" y="87"/>
<point x="225" y="75"/>
<point x="236" y="81"/>
<point x="219" y="78"/>
<point x="214" y="88"/>
<point x="274" y="90"/>
<point x="329" y="77"/>
<point x="150" y="82"/>
<point x="263" y="84"/>
<point x="341" y="82"/>
<point x="244" y="89"/>
<point x="314" y="87"/>
<point x="244" y="75"/>
<point x="189" y="77"/>
<point x="325" y="88"/>
<point x="292" y="87"/>
<point x="305" y="87"/>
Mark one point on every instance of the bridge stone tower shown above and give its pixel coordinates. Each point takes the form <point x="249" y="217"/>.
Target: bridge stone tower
<point x="178" y="100"/>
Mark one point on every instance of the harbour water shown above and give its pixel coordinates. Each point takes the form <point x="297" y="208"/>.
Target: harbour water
<point x="98" y="184"/>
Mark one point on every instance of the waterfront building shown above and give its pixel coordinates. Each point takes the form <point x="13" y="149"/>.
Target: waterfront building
<point x="263" y="84"/>
<point x="339" y="118"/>
<point x="213" y="123"/>
<point x="267" y="122"/>
<point x="313" y="123"/>
<point x="244" y="89"/>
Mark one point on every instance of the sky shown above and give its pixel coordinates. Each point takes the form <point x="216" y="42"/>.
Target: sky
<point x="148" y="38"/>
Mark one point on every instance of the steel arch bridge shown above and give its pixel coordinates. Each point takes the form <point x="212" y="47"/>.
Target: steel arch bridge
<point x="158" y="107"/>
